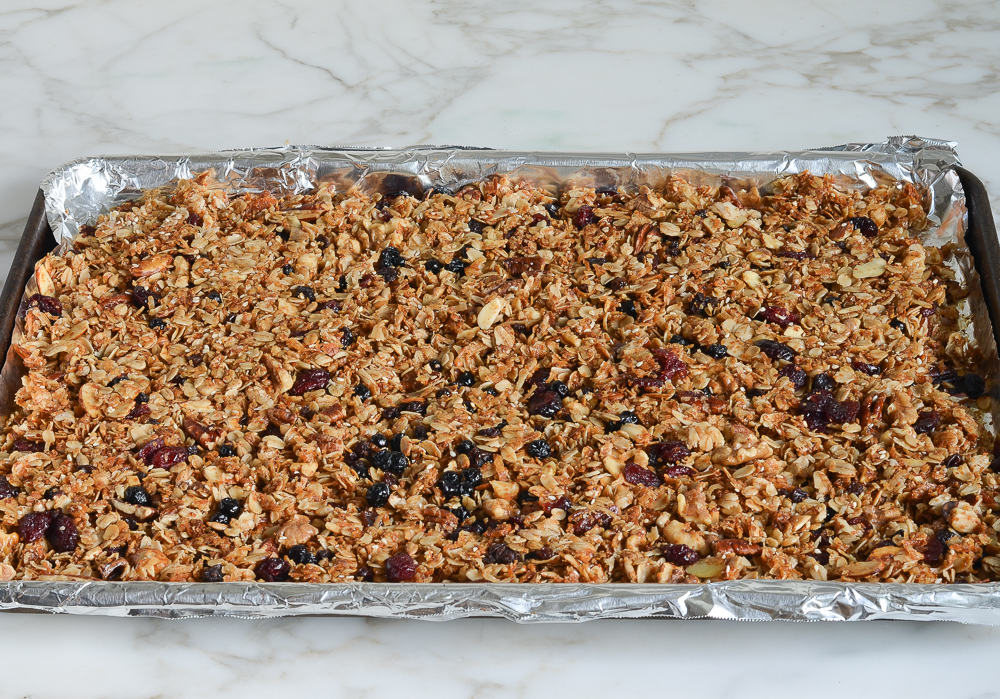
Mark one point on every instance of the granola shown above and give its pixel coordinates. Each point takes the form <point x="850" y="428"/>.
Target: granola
<point x="673" y="384"/>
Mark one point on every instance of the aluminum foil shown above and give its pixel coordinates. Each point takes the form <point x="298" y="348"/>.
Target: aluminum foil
<point x="76" y="193"/>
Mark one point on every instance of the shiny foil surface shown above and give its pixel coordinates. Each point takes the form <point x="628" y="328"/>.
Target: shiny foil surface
<point x="76" y="193"/>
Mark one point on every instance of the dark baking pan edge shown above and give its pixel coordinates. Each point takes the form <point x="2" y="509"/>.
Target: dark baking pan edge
<point x="817" y="601"/>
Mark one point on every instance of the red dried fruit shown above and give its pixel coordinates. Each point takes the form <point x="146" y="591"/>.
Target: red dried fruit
<point x="585" y="520"/>
<point x="776" y="350"/>
<point x="780" y="316"/>
<point x="797" y="376"/>
<point x="310" y="380"/>
<point x="677" y="471"/>
<point x="47" y="304"/>
<point x="933" y="551"/>
<point x="62" y="533"/>
<point x="868" y="228"/>
<point x="679" y="554"/>
<point x="864" y="368"/>
<point x="560" y="503"/>
<point x="843" y="412"/>
<point x="584" y="216"/>
<point x="544" y="402"/>
<point x="927" y="421"/>
<point x="668" y="452"/>
<point x="797" y="255"/>
<point x="168" y="456"/>
<point x="400" y="568"/>
<point x="540" y="377"/>
<point x="32" y="526"/>
<point x="194" y="219"/>
<point x="140" y="410"/>
<point x="860" y="521"/>
<point x="516" y="266"/>
<point x="141" y="297"/>
<point x="28" y="445"/>
<point x="637" y="475"/>
<point x="149" y="449"/>
<point x="273" y="570"/>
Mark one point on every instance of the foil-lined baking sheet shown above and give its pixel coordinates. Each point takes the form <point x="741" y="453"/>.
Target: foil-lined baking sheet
<point x="76" y="193"/>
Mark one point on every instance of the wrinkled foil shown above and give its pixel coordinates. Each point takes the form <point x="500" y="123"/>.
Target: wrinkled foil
<point x="76" y="193"/>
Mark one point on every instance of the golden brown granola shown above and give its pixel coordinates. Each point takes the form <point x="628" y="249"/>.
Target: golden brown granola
<point x="675" y="384"/>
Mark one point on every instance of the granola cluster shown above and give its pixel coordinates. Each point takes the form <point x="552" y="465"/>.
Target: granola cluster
<point x="672" y="384"/>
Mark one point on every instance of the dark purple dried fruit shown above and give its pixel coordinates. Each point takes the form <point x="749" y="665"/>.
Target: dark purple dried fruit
<point x="46" y="304"/>
<point x="776" y="350"/>
<point x="450" y="484"/>
<point x="679" y="554"/>
<point x="868" y="228"/>
<point x="628" y="308"/>
<point x="390" y="257"/>
<point x="27" y="445"/>
<point x="822" y="382"/>
<point x="584" y="216"/>
<point x="716" y="351"/>
<point x="475" y="226"/>
<point x="668" y="452"/>
<point x="226" y="450"/>
<point x="927" y="422"/>
<point x="480" y="458"/>
<point x="780" y="316"/>
<point x="213" y="574"/>
<point x="797" y="495"/>
<point x="542" y="554"/>
<point x="413" y="406"/>
<point x="797" y="376"/>
<point x="934" y="551"/>
<point x="137" y="495"/>
<point x="347" y="338"/>
<point x="227" y="509"/>
<point x="6" y="489"/>
<point x="310" y="380"/>
<point x="870" y="369"/>
<point x="32" y="526"/>
<point x="677" y="471"/>
<point x="545" y="403"/>
<point x="953" y="461"/>
<point x="62" y="533"/>
<point x="679" y="340"/>
<point x="194" y="219"/>
<point x="797" y="255"/>
<point x="854" y="487"/>
<point x="500" y="553"/>
<point x="378" y="495"/>
<point x="305" y="292"/>
<point x="585" y="520"/>
<point x="457" y="266"/>
<point x="168" y="456"/>
<point x="155" y="323"/>
<point x="637" y="475"/>
<point x="843" y="412"/>
<point x="301" y="555"/>
<point x="466" y="378"/>
<point x="400" y="568"/>
<point x="141" y="297"/>
<point x="702" y="305"/>
<point x="273" y="570"/>
<point x="138" y="411"/>
<point x="388" y="274"/>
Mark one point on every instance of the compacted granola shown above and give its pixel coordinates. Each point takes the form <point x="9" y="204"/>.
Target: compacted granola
<point x="672" y="384"/>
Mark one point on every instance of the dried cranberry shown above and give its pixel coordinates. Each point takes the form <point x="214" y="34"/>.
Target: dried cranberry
<point x="679" y="554"/>
<point x="539" y="377"/>
<point x="62" y="533"/>
<point x="545" y="403"/>
<point x="668" y="452"/>
<point x="273" y="570"/>
<point x="583" y="521"/>
<point x="138" y="411"/>
<point x="149" y="449"/>
<point x="677" y="471"/>
<point x="637" y="475"/>
<point x="310" y="380"/>
<point x="32" y="526"/>
<point x="28" y="445"/>
<point x="870" y="369"/>
<point x="168" y="456"/>
<point x="194" y="219"/>
<point x="141" y="297"/>
<point x="780" y="316"/>
<point x="860" y="521"/>
<point x="797" y="376"/>
<point x="927" y="421"/>
<point x="934" y="551"/>
<point x="560" y="503"/>
<point x="776" y="350"/>
<point x="6" y="489"/>
<point x="400" y="568"/>
<point x="843" y="412"/>
<point x="500" y="553"/>
<point x="47" y="304"/>
<point x="584" y="216"/>
<point x="868" y="228"/>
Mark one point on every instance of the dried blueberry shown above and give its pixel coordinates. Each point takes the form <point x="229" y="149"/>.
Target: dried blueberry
<point x="433" y="266"/>
<point x="450" y="483"/>
<point x="413" y="406"/>
<point x="953" y="461"/>
<point x="870" y="369"/>
<point x="286" y="269"/>
<point x="362" y="392"/>
<point x="435" y="366"/>
<point x="797" y="376"/>
<point x="679" y="340"/>
<point x="397" y="463"/>
<point x="628" y="308"/>
<point x="716" y="351"/>
<point x="379" y="440"/>
<point x="466" y="378"/>
<point x="898" y="324"/>
<point x="457" y="266"/>
<point x="927" y="422"/>
<point x="868" y="228"/>
<point x="301" y="555"/>
<point x="553" y="209"/>
<point x="305" y="292"/>
<point x="400" y="568"/>
<point x="628" y="417"/>
<point x="273" y="570"/>
<point x="388" y="274"/>
<point x="559" y="388"/>
<point x="137" y="495"/>
<point x="6" y="489"/>
<point x="227" y="450"/>
<point x="464" y="447"/>
<point x="539" y="449"/>
<point x="157" y="323"/>
<point x="679" y="554"/>
<point x="227" y="509"/>
<point x="310" y="380"/>
<point x="212" y="574"/>
<point x="377" y="495"/>
<point x="475" y="226"/>
<point x="390" y="257"/>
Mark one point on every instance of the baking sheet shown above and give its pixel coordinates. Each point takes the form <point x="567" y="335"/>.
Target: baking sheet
<point x="79" y="191"/>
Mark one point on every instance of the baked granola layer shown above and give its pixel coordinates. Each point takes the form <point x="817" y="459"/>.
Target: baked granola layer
<point x="676" y="384"/>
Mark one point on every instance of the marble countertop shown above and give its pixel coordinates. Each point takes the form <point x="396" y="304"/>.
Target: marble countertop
<point x="124" y="77"/>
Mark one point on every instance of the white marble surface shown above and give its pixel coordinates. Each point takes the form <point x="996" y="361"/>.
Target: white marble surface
<point x="83" y="78"/>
